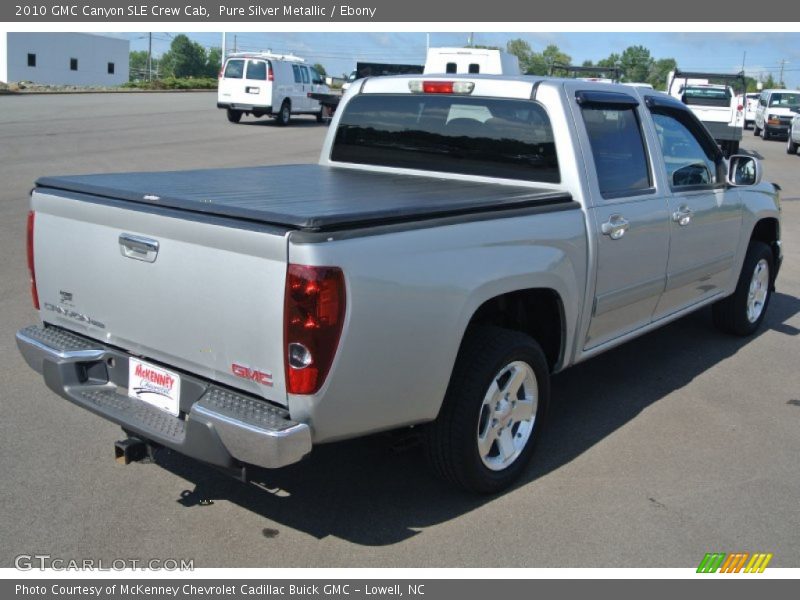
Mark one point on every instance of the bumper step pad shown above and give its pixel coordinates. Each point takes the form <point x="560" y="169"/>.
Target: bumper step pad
<point x="221" y="427"/>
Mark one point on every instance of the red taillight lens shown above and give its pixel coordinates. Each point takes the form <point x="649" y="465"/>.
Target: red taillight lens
<point x="270" y="74"/>
<point x="740" y="108"/>
<point x="31" y="267"/>
<point x="314" y="307"/>
<point x="437" y="87"/>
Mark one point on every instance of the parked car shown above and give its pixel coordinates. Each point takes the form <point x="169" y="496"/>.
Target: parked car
<point x="272" y="85"/>
<point x="793" y="135"/>
<point x="775" y="111"/>
<point x="462" y="239"/>
<point x="750" y="107"/>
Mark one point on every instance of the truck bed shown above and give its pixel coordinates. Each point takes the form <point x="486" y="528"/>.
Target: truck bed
<point x="307" y="197"/>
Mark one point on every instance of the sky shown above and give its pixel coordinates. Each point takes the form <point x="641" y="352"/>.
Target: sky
<point x="762" y="53"/>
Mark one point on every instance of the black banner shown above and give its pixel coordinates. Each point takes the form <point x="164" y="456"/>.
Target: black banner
<point x="498" y="11"/>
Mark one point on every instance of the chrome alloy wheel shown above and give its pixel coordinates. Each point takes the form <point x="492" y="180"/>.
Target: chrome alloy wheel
<point x="759" y="289"/>
<point x="507" y="416"/>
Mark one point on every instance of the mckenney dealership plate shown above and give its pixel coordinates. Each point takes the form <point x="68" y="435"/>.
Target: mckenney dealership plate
<point x="154" y="385"/>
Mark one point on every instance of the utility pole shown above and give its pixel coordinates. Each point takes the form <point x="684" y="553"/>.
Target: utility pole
<point x="150" y="56"/>
<point x="223" y="47"/>
<point x="469" y="40"/>
<point x="783" y="62"/>
<point x="234" y="43"/>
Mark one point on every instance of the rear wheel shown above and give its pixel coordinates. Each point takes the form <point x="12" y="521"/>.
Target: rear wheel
<point x="743" y="311"/>
<point x="321" y="115"/>
<point x="284" y="114"/>
<point x="791" y="147"/>
<point x="234" y="116"/>
<point x="493" y="412"/>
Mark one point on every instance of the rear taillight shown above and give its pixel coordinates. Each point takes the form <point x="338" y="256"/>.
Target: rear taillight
<point x="31" y="267"/>
<point x="270" y="74"/>
<point x="740" y="108"/>
<point x="312" y="323"/>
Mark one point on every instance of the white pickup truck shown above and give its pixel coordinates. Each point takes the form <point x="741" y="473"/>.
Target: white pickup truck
<point x="716" y="105"/>
<point x="461" y="239"/>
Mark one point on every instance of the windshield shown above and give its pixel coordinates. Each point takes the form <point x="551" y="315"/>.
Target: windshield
<point x="787" y="100"/>
<point x="456" y="134"/>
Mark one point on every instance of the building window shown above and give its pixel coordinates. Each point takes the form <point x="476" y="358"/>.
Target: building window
<point x="73" y="64"/>
<point x="31" y="60"/>
<point x="110" y="68"/>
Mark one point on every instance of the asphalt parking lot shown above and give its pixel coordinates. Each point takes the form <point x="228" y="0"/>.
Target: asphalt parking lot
<point x="682" y="442"/>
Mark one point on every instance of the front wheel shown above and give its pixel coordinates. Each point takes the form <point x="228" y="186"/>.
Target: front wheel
<point x="743" y="312"/>
<point x="765" y="134"/>
<point x="493" y="412"/>
<point x="756" y="130"/>
<point x="791" y="147"/>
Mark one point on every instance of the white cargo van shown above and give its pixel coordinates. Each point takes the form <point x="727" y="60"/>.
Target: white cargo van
<point x="471" y="60"/>
<point x="266" y="84"/>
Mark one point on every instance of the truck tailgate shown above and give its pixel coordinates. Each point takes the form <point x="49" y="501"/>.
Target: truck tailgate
<point x="209" y="301"/>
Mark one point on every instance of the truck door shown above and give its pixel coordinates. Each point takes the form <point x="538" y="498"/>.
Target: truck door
<point x="629" y="215"/>
<point x="705" y="215"/>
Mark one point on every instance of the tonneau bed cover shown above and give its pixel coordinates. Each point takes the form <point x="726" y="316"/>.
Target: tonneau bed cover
<point x="307" y="197"/>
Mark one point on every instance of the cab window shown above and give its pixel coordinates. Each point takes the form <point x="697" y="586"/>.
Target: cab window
<point x="688" y="157"/>
<point x="620" y="157"/>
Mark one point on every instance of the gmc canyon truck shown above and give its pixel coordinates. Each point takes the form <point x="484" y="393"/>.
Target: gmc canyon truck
<point x="461" y="239"/>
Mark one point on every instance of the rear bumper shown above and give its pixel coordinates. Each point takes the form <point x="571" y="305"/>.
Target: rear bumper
<point x="216" y="425"/>
<point x="259" y="108"/>
<point x="723" y="132"/>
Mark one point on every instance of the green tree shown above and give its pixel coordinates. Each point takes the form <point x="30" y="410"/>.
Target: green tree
<point x="523" y="51"/>
<point x="213" y="62"/>
<point x="185" y="58"/>
<point x="137" y="63"/>
<point x="659" y="72"/>
<point x="636" y="63"/>
<point x="320" y="69"/>
<point x="536" y="63"/>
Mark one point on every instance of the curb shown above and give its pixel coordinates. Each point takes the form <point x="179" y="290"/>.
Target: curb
<point x="67" y="92"/>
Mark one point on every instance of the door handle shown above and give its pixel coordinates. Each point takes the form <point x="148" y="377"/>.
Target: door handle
<point x="683" y="216"/>
<point x="138" y="247"/>
<point x="615" y="227"/>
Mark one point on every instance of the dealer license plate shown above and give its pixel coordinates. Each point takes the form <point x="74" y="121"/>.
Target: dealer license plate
<point x="154" y="385"/>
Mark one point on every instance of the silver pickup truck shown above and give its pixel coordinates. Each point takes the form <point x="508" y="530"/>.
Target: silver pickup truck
<point x="461" y="239"/>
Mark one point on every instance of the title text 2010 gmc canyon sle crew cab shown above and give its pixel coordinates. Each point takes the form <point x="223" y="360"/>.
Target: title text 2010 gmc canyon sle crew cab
<point x="461" y="239"/>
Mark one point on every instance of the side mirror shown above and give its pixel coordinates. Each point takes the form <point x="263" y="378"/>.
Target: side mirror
<point x="743" y="170"/>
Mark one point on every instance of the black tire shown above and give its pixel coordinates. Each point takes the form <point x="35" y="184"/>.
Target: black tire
<point x="452" y="439"/>
<point x="733" y="148"/>
<point x="321" y="115"/>
<point x="234" y="116"/>
<point x="756" y="130"/>
<point x="284" y="114"/>
<point x="791" y="147"/>
<point x="731" y="314"/>
<point x="765" y="134"/>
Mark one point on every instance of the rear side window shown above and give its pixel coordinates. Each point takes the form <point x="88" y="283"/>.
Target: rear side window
<point x="474" y="68"/>
<point x="304" y="74"/>
<point x="257" y="69"/>
<point x="700" y="96"/>
<point x="619" y="152"/>
<point x="234" y="69"/>
<point x="492" y="137"/>
<point x="296" y="71"/>
<point x="451" y="68"/>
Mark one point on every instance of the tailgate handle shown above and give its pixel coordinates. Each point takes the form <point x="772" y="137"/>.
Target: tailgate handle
<point x="138" y="247"/>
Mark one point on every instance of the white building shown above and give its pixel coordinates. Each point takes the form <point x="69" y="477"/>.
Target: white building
<point x="63" y="58"/>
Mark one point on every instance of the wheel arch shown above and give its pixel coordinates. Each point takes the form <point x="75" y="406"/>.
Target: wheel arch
<point x="538" y="312"/>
